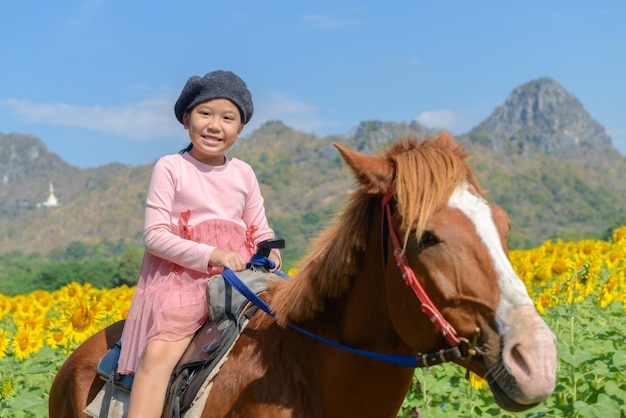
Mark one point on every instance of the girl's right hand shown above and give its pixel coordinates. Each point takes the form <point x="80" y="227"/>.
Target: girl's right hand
<point x="231" y="259"/>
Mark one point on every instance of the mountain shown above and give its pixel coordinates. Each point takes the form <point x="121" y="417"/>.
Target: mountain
<point x="543" y="115"/>
<point x="540" y="155"/>
<point x="99" y="203"/>
<point x="554" y="168"/>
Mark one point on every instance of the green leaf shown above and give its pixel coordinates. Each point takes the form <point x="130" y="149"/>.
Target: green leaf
<point x="27" y="402"/>
<point x="611" y="388"/>
<point x="619" y="357"/>
<point x="575" y="359"/>
<point x="605" y="407"/>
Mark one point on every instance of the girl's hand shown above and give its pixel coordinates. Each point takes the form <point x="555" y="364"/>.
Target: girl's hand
<point x="275" y="258"/>
<point x="230" y="259"/>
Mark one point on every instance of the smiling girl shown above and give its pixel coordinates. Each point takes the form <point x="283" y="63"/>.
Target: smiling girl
<point x="204" y="211"/>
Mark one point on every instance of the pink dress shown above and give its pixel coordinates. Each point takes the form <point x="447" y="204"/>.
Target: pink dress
<point x="191" y="209"/>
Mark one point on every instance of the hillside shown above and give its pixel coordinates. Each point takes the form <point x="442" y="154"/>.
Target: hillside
<point x="554" y="168"/>
<point x="540" y="155"/>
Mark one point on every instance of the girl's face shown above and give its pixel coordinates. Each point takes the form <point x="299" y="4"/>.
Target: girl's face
<point x="213" y="127"/>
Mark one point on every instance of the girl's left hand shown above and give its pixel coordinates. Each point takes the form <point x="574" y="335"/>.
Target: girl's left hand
<point x="231" y="259"/>
<point x="275" y="258"/>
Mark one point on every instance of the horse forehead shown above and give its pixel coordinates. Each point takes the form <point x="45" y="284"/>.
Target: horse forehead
<point x="477" y="210"/>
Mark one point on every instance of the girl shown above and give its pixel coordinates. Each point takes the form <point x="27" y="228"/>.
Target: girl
<point x="204" y="211"/>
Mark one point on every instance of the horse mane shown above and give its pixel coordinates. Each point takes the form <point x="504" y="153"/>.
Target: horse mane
<point x="426" y="173"/>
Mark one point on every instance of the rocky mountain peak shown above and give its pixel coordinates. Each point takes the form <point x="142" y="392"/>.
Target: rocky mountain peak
<point x="542" y="113"/>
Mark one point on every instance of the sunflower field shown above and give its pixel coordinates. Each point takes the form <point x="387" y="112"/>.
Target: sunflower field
<point x="578" y="287"/>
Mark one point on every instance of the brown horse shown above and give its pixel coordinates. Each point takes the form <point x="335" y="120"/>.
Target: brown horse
<point x="350" y="290"/>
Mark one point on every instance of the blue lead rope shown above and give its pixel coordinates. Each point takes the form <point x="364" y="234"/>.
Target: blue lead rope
<point x="423" y="360"/>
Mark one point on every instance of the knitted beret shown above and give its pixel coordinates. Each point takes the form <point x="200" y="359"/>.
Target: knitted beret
<point x="217" y="84"/>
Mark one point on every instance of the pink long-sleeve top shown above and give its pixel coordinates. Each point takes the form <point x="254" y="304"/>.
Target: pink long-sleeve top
<point x="179" y="183"/>
<point x="191" y="209"/>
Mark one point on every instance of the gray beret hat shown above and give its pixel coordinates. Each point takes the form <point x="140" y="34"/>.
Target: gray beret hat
<point x="215" y="85"/>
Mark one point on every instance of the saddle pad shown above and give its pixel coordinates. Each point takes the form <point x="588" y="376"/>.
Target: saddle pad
<point x="118" y="406"/>
<point x="120" y="399"/>
<point x="224" y="301"/>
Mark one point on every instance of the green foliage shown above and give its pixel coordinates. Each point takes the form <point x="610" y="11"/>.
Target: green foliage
<point x="129" y="266"/>
<point x="104" y="265"/>
<point x="549" y="196"/>
<point x="591" y="377"/>
<point x="304" y="180"/>
<point x="25" y="385"/>
<point x="76" y="250"/>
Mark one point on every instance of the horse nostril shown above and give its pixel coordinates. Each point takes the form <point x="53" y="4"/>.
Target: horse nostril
<point x="518" y="360"/>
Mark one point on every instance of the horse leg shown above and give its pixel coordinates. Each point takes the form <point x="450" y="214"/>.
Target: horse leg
<point x="77" y="382"/>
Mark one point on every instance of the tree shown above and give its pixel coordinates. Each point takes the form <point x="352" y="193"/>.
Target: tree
<point x="129" y="266"/>
<point x="76" y="250"/>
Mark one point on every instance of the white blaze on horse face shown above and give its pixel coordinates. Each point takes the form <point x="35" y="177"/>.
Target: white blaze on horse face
<point x="529" y="347"/>
<point x="512" y="290"/>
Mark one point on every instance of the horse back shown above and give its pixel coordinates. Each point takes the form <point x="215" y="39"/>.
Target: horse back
<point x="261" y="377"/>
<point x="77" y="382"/>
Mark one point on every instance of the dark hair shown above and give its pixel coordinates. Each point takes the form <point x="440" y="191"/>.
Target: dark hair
<point x="186" y="149"/>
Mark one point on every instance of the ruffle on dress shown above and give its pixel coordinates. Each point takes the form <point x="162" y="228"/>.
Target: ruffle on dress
<point x="170" y="300"/>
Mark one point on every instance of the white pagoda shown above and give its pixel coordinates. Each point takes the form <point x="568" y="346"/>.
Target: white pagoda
<point x="52" y="201"/>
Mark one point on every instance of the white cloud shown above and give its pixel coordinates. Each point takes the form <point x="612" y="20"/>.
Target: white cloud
<point x="154" y="118"/>
<point x="138" y="121"/>
<point x="298" y="115"/>
<point x="437" y="118"/>
<point x="455" y="122"/>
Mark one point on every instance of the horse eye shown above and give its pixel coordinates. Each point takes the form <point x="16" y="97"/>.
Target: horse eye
<point x="428" y="240"/>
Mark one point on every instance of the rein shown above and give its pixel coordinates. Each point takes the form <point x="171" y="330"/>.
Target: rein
<point x="424" y="360"/>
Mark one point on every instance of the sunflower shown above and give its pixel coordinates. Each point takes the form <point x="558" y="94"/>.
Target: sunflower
<point x="26" y="342"/>
<point x="72" y="290"/>
<point x="476" y="381"/>
<point x="117" y="302"/>
<point x="543" y="274"/>
<point x="56" y="339"/>
<point x="27" y="322"/>
<point x="5" y="305"/>
<point x="80" y="321"/>
<point x="57" y="298"/>
<point x="7" y="387"/>
<point x="5" y="337"/>
<point x="561" y="264"/>
<point x="42" y="298"/>
<point x="619" y="234"/>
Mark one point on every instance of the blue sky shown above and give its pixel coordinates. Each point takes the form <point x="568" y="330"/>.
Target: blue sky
<point x="96" y="80"/>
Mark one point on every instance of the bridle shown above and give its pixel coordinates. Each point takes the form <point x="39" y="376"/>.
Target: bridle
<point x="427" y="306"/>
<point x="423" y="360"/>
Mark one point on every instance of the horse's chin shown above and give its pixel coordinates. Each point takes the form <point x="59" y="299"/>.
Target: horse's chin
<point x="505" y="401"/>
<point x="505" y="389"/>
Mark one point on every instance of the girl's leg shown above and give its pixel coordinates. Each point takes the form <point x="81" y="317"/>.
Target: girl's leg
<point x="152" y="376"/>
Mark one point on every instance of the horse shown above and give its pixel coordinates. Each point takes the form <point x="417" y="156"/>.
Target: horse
<point x="415" y="262"/>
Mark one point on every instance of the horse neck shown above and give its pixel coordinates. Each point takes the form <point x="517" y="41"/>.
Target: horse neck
<point x="360" y="317"/>
<point x="340" y="294"/>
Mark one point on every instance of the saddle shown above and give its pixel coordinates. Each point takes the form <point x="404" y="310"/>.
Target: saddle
<point x="229" y="312"/>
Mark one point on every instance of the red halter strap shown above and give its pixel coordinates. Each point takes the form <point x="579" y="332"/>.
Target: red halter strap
<point x="427" y="306"/>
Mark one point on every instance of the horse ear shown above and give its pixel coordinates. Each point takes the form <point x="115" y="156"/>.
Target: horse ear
<point x="446" y="140"/>
<point x="374" y="173"/>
